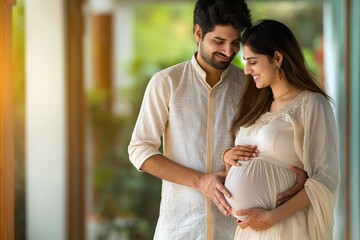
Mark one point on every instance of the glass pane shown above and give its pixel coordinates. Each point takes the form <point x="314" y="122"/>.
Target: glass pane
<point x="124" y="203"/>
<point x="144" y="38"/>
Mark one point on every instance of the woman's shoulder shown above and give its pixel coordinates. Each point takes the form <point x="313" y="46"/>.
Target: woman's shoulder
<point x="315" y="98"/>
<point x="306" y="99"/>
<point x="306" y="96"/>
<point x="313" y="101"/>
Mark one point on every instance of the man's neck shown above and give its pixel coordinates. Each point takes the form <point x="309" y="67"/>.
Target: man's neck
<point x="213" y="75"/>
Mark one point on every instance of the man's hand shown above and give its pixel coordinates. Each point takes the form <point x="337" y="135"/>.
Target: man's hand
<point x="301" y="177"/>
<point x="212" y="186"/>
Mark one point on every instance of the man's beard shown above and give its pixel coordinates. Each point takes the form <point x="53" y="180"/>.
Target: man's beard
<point x="214" y="62"/>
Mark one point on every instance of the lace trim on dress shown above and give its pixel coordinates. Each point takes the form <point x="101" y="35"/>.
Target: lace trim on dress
<point x="293" y="108"/>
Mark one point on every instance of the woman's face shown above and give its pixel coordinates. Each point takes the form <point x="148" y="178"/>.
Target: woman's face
<point x="260" y="68"/>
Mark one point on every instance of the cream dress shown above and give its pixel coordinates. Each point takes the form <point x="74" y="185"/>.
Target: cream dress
<point x="303" y="134"/>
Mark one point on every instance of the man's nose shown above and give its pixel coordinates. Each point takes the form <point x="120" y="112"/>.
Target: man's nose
<point x="227" y="50"/>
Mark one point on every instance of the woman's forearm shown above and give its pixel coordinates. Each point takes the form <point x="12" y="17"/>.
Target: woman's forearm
<point x="293" y="205"/>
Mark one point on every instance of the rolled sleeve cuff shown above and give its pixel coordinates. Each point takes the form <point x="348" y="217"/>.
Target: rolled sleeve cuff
<point x="139" y="155"/>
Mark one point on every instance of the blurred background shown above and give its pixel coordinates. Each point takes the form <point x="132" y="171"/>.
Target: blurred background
<point x="80" y="68"/>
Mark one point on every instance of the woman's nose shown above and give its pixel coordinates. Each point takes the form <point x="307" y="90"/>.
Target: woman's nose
<point x="247" y="69"/>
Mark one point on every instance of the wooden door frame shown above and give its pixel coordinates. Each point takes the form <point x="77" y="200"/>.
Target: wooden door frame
<point x="76" y="209"/>
<point x="6" y="123"/>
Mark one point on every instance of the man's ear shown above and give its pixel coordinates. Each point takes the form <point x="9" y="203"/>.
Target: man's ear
<point x="197" y="33"/>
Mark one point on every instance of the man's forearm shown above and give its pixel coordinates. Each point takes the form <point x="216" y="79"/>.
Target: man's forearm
<point x="164" y="168"/>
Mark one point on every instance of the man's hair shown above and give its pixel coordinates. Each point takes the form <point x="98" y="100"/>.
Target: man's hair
<point x="210" y="13"/>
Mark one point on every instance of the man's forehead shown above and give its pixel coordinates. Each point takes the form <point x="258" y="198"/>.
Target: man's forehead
<point x="224" y="33"/>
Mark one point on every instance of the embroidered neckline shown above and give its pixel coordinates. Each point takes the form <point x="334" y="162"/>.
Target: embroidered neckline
<point x="290" y="103"/>
<point x="294" y="107"/>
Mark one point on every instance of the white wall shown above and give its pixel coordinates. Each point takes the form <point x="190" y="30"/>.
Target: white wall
<point x="45" y="120"/>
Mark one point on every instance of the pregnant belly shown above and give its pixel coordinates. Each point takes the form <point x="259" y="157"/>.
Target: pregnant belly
<point x="256" y="183"/>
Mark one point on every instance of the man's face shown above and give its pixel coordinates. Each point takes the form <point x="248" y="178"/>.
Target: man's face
<point x="219" y="47"/>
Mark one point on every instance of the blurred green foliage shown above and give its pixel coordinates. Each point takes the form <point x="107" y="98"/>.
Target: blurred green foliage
<point x="123" y="196"/>
<point x="164" y="32"/>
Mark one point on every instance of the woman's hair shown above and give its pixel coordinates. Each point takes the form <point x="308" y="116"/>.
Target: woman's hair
<point x="209" y="13"/>
<point x="266" y="37"/>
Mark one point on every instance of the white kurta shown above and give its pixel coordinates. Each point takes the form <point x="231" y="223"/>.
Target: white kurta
<point x="195" y="122"/>
<point x="303" y="134"/>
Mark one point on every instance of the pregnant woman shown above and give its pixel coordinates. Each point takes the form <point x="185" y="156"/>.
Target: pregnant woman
<point x="288" y="117"/>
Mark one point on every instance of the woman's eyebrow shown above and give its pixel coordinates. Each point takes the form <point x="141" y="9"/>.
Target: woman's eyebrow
<point x="249" y="58"/>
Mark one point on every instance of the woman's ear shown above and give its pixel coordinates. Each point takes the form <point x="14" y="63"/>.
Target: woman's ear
<point x="198" y="33"/>
<point x="278" y="58"/>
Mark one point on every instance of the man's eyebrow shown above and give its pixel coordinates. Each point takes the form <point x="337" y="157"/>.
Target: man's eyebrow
<point x="223" y="39"/>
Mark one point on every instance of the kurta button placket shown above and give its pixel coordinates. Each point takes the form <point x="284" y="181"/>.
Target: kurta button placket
<point x="209" y="159"/>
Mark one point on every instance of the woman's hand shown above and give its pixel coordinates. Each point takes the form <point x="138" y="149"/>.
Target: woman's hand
<point x="257" y="219"/>
<point x="243" y="153"/>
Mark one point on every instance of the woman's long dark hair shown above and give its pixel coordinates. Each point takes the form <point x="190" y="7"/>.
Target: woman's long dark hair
<point x="266" y="37"/>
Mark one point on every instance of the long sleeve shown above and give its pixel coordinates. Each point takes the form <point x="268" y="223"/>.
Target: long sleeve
<point x="320" y="144"/>
<point x="320" y="157"/>
<point x="153" y="116"/>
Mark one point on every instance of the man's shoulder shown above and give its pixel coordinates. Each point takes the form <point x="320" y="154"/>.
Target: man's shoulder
<point x="169" y="75"/>
<point x="235" y="70"/>
<point x="172" y="72"/>
<point x="235" y="76"/>
<point x="174" y="68"/>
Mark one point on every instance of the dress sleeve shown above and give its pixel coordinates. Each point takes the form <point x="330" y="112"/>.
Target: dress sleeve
<point x="320" y="142"/>
<point x="321" y="162"/>
<point x="150" y="125"/>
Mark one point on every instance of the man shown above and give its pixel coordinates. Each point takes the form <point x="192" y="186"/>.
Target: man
<point x="192" y="105"/>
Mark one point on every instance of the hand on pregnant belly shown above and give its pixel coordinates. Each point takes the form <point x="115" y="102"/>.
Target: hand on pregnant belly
<point x="248" y="185"/>
<point x="242" y="153"/>
<point x="255" y="184"/>
<point x="257" y="219"/>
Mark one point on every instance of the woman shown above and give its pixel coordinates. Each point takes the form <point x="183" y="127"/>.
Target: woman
<point x="288" y="117"/>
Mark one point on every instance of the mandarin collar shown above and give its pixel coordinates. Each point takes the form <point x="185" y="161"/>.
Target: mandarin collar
<point x="201" y="71"/>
